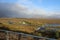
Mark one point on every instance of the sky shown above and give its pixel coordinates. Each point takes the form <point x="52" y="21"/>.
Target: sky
<point x="30" y="8"/>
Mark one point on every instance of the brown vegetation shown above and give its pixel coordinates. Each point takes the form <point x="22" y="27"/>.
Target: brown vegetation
<point x="24" y="25"/>
<point x="30" y="25"/>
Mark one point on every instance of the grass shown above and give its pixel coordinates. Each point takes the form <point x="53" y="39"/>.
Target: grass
<point x="30" y="26"/>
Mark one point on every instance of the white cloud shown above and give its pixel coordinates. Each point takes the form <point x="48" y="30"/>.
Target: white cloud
<point x="31" y="8"/>
<point x="26" y="8"/>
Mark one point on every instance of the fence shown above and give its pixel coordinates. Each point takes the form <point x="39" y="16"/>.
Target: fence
<point x="10" y="35"/>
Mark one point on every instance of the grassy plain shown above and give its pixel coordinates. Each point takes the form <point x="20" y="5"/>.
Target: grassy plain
<point x="26" y="25"/>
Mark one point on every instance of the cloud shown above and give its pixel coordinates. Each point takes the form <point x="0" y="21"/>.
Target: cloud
<point x="11" y="10"/>
<point x="25" y="9"/>
<point x="55" y="14"/>
<point x="17" y="10"/>
<point x="22" y="8"/>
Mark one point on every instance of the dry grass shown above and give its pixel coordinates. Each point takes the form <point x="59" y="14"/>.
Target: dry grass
<point x="34" y="23"/>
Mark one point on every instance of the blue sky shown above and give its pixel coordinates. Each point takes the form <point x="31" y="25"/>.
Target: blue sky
<point x="8" y="1"/>
<point x="42" y="7"/>
<point x="46" y="4"/>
